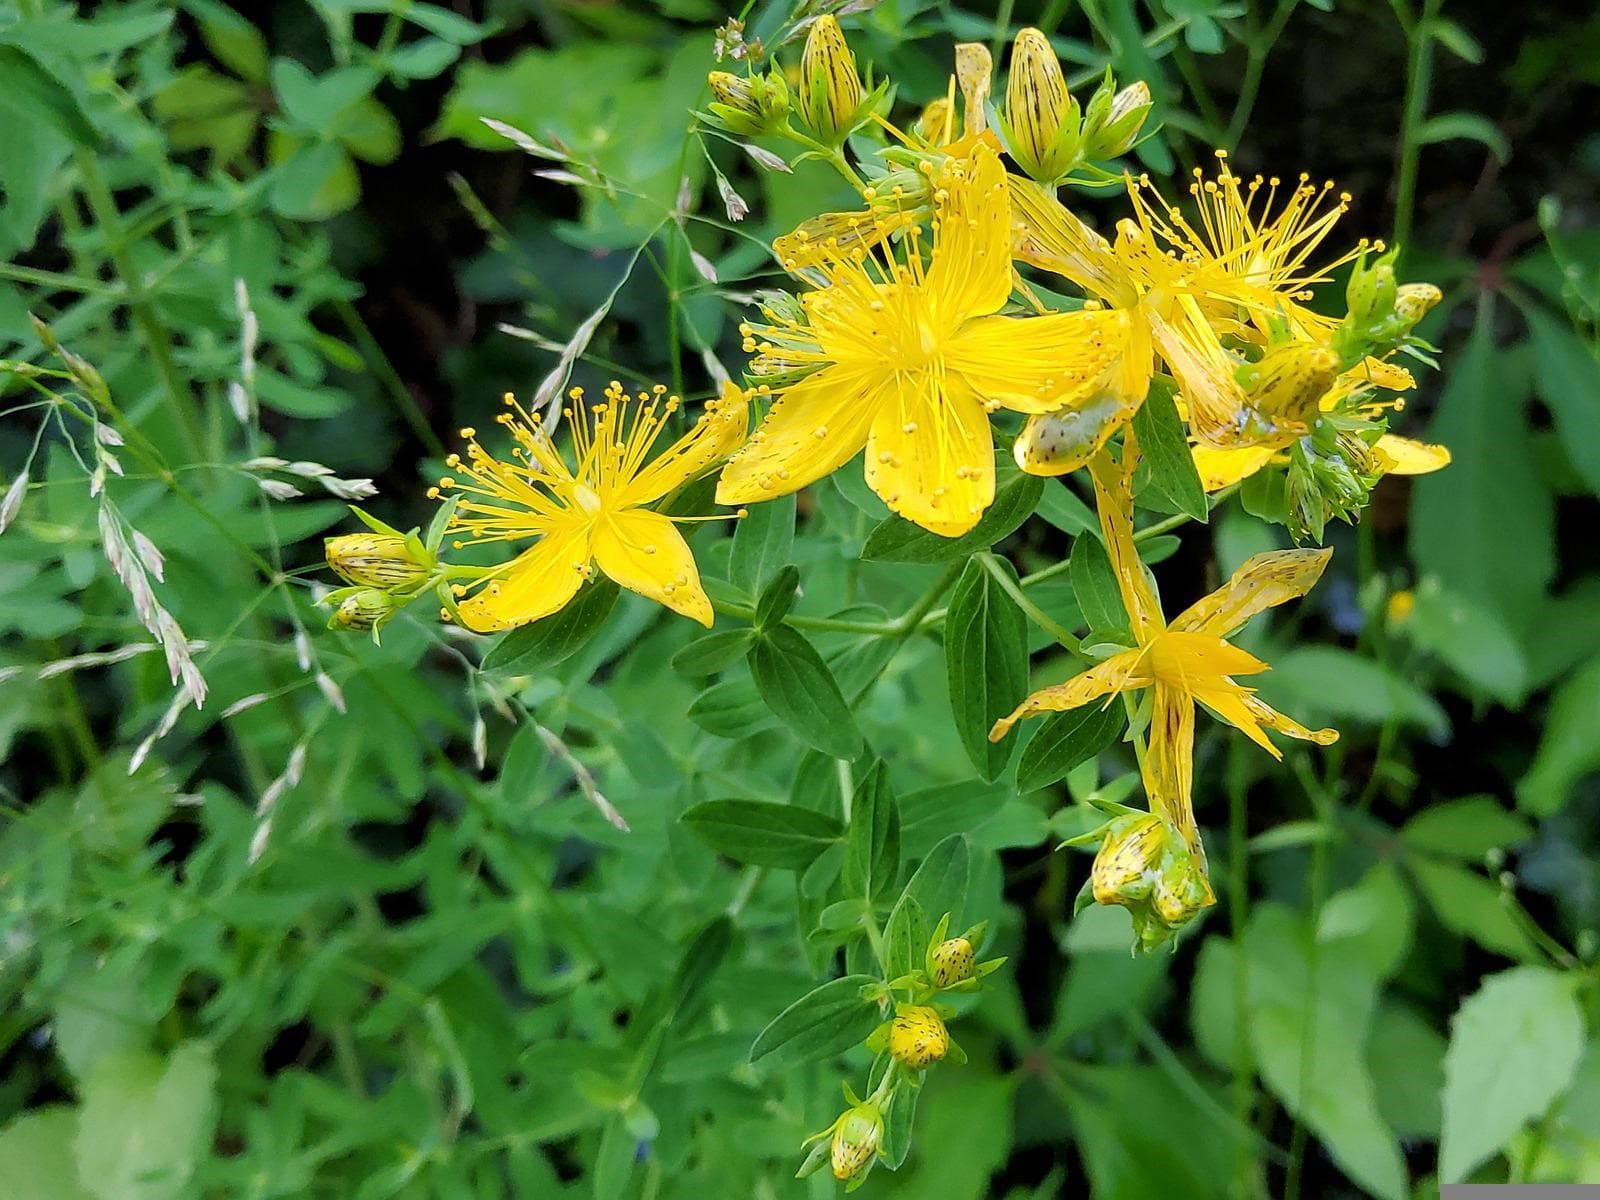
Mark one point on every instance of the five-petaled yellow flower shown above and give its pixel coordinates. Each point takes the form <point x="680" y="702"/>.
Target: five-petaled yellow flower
<point x="908" y="359"/>
<point x="1185" y="663"/>
<point x="1244" y="270"/>
<point x="596" y="514"/>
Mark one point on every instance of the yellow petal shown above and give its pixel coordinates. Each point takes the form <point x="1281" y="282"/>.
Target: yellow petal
<point x="1262" y="582"/>
<point x="931" y="458"/>
<point x="718" y="432"/>
<point x="1169" y="762"/>
<point x="1050" y="237"/>
<point x="1038" y="364"/>
<point x="645" y="553"/>
<point x="1120" y="673"/>
<point x="815" y="428"/>
<point x="970" y="274"/>
<point x="1191" y="661"/>
<point x="1406" y="456"/>
<point x="1240" y="707"/>
<point x="1219" y="468"/>
<point x="536" y="583"/>
<point x="1204" y="371"/>
<point x="1114" y="500"/>
<point x="1382" y="374"/>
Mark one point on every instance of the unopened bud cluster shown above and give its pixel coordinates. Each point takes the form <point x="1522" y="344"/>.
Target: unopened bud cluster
<point x="384" y="569"/>
<point x="1047" y="132"/>
<point x="1146" y="865"/>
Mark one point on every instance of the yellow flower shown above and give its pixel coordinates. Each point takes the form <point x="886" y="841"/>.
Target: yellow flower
<point x="595" y="515"/>
<point x="1184" y="663"/>
<point x="908" y="359"/>
<point x="1242" y="269"/>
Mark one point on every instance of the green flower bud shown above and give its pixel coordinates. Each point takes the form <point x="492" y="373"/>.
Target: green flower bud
<point x="377" y="560"/>
<point x="752" y="105"/>
<point x="365" y="608"/>
<point x="1371" y="293"/>
<point x="830" y="87"/>
<point x="857" y="1135"/>
<point x="1042" y="126"/>
<point x="951" y="961"/>
<point x="1122" y="124"/>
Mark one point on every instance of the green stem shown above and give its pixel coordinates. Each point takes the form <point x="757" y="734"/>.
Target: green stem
<point x="1259" y="46"/>
<point x="394" y="387"/>
<point x="1419" y="76"/>
<point x="104" y="206"/>
<point x="1037" y="615"/>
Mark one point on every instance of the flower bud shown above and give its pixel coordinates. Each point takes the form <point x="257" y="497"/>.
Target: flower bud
<point x="751" y="105"/>
<point x="367" y="608"/>
<point x="936" y="126"/>
<point x="830" y="88"/>
<point x="1413" y="301"/>
<point x="1120" y="128"/>
<point x="1041" y="117"/>
<point x="1181" y="888"/>
<point x="856" y="1137"/>
<point x="1286" y="386"/>
<point x="1371" y="293"/>
<point x="376" y="560"/>
<point x="917" y="1036"/>
<point x="952" y="962"/>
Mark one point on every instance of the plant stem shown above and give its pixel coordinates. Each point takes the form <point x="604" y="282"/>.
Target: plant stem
<point x="1259" y="46"/>
<point x="104" y="206"/>
<point x="1419" y="76"/>
<point x="394" y="387"/>
<point x="1034" y="613"/>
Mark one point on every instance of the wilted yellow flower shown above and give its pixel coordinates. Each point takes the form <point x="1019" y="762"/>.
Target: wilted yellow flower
<point x="377" y="559"/>
<point x="1184" y="663"/>
<point x="917" y="1036"/>
<point x="1145" y="865"/>
<point x="1354" y="393"/>
<point x="907" y="358"/>
<point x="830" y="88"/>
<point x="1413" y="301"/>
<point x="597" y="514"/>
<point x="1041" y="117"/>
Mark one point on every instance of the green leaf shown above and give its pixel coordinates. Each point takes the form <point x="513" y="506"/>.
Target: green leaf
<point x="905" y="937"/>
<point x="1568" y="748"/>
<point x="1455" y="39"/>
<point x="318" y="181"/>
<point x="986" y="662"/>
<point x="1514" y="1047"/>
<point x="825" y="1021"/>
<point x="1094" y="584"/>
<point x="1471" y="906"/>
<point x="712" y="653"/>
<point x="731" y="709"/>
<point x="898" y="1124"/>
<point x="313" y="102"/>
<point x="800" y="690"/>
<point x="762" y="542"/>
<point x="1473" y="640"/>
<point x="32" y="89"/>
<point x="1341" y="684"/>
<point x="1310" y="1009"/>
<point x="1065" y="739"/>
<point x="777" y="598"/>
<point x="1166" y="448"/>
<point x="237" y="44"/>
<point x="764" y="834"/>
<point x="1568" y="377"/>
<point x="1451" y="126"/>
<point x="1467" y="828"/>
<point x="1486" y="526"/>
<point x="1406" y="1058"/>
<point x="542" y="644"/>
<point x="898" y="540"/>
<point x="145" y="1122"/>
<point x="36" y="1149"/>
<point x="940" y="883"/>
<point x="872" y="854"/>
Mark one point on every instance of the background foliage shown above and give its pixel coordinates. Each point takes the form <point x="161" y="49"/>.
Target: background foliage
<point x="358" y="928"/>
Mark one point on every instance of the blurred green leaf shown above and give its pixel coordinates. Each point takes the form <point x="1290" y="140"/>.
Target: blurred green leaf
<point x="145" y="1122"/>
<point x="1568" y="748"/>
<point x="1568" y="377"/>
<point x="764" y="834"/>
<point x="1063" y="740"/>
<point x="1473" y="640"/>
<point x="1466" y="829"/>
<point x="36" y="1148"/>
<point x="1514" y="1048"/>
<point x="1342" y="685"/>
<point x="762" y="543"/>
